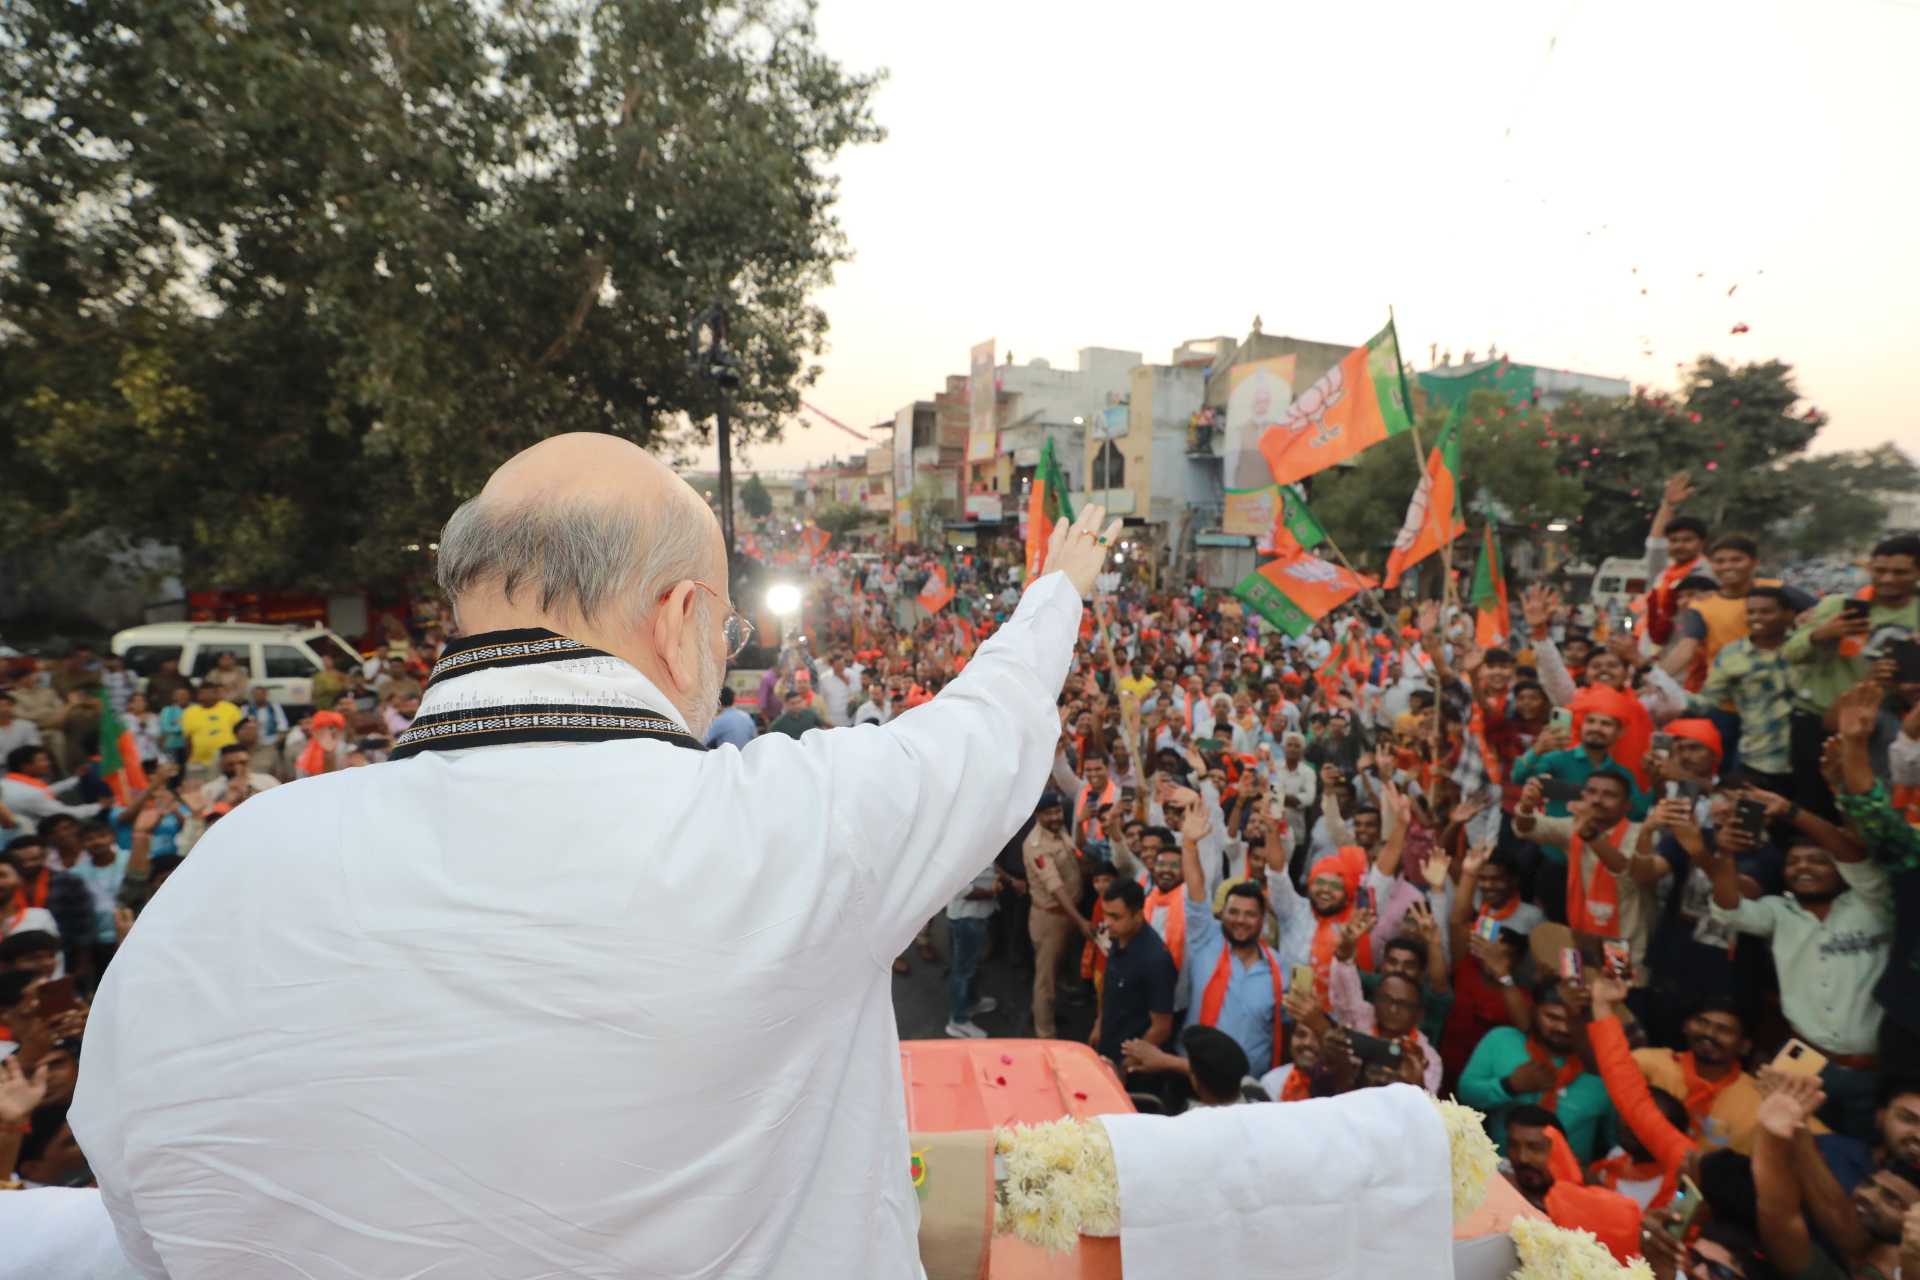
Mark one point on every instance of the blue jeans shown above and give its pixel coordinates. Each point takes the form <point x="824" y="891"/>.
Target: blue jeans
<point x="969" y="935"/>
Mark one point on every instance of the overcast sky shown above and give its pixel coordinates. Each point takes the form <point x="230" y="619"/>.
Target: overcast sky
<point x="1066" y="174"/>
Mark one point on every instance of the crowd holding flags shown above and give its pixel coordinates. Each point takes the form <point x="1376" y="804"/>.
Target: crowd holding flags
<point x="1492" y="615"/>
<point x="1296" y="589"/>
<point x="1433" y="517"/>
<point x="1360" y="402"/>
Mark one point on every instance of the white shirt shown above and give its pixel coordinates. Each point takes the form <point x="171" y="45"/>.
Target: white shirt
<point x="395" y="1020"/>
<point x="1828" y="968"/>
<point x="1298" y="782"/>
<point x="835" y="691"/>
<point x="964" y="908"/>
<point x="21" y="733"/>
<point x="31" y="803"/>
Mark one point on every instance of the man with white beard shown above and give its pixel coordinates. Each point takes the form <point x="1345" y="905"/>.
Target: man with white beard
<point x="421" y="1018"/>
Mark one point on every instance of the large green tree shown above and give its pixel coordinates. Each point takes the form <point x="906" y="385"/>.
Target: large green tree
<point x="1742" y="433"/>
<point x="1501" y="455"/>
<point x="283" y="282"/>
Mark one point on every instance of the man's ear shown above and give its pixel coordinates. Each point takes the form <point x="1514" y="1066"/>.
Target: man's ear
<point x="675" y="634"/>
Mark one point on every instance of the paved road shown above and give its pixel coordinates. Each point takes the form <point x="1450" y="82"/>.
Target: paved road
<point x="920" y="995"/>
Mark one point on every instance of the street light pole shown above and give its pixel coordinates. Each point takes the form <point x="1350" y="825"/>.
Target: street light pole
<point x="721" y="365"/>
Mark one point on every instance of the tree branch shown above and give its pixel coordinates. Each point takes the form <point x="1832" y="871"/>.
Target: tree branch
<point x="596" y="275"/>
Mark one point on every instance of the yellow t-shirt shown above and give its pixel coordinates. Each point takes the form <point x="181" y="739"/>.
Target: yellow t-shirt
<point x="208" y="729"/>
<point x="1137" y="686"/>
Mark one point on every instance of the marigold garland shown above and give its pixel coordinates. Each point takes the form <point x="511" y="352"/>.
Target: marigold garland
<point x="1548" y="1252"/>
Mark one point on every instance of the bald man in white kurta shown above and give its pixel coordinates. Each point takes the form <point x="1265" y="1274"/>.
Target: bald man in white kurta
<point x="613" y="1009"/>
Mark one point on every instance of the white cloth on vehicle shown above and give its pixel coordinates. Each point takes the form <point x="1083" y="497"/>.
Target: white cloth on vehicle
<point x="1342" y="1188"/>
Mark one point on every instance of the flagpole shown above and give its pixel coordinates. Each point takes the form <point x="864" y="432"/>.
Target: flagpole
<point x="1379" y="606"/>
<point x="1446" y="576"/>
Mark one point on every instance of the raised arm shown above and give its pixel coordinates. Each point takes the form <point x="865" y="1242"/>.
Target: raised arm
<point x="1460" y="918"/>
<point x="1783" y="1227"/>
<point x="1628" y="1089"/>
<point x="1192" y="829"/>
<point x="918" y="832"/>
<point x="1388" y="863"/>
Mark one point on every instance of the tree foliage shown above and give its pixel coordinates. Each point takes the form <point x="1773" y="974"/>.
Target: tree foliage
<point x="755" y="498"/>
<point x="1500" y="454"/>
<point x="283" y="283"/>
<point x="1601" y="466"/>
<point x="1742" y="435"/>
<point x="842" y="518"/>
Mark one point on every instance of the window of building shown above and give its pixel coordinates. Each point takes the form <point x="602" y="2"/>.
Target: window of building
<point x="1109" y="468"/>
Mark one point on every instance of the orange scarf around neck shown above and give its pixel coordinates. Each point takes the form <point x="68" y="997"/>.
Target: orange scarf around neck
<point x="1565" y="1074"/>
<point x="1215" y="995"/>
<point x="1594" y="905"/>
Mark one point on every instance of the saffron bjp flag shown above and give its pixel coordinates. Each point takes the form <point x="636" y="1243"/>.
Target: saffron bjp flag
<point x="1297" y="590"/>
<point x="120" y="765"/>
<point x="935" y="592"/>
<point x="816" y="539"/>
<point x="1359" y="402"/>
<point x="1433" y="517"/>
<point x="1492" y="615"/>
<point x="1048" y="482"/>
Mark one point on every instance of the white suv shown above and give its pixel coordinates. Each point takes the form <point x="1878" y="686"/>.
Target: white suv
<point x="284" y="659"/>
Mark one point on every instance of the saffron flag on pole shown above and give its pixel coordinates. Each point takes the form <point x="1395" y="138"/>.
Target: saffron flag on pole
<point x="1298" y="518"/>
<point x="120" y="765"/>
<point x="1039" y="528"/>
<point x="1492" y="617"/>
<point x="1294" y="527"/>
<point x="1048" y="482"/>
<point x="1297" y="590"/>
<point x="1359" y="402"/>
<point x="1433" y="517"/>
<point x="935" y="592"/>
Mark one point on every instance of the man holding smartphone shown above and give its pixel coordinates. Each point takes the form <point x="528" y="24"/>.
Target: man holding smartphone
<point x="1835" y="649"/>
<point x="1609" y="879"/>
<point x="1830" y="934"/>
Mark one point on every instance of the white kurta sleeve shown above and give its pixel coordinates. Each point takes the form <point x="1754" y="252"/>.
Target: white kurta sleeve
<point x="922" y="803"/>
<point x="1553" y="672"/>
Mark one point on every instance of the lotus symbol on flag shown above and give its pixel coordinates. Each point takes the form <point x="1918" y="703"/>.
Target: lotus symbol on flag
<point x="1310" y="410"/>
<point x="1312" y="569"/>
<point x="1416" y="520"/>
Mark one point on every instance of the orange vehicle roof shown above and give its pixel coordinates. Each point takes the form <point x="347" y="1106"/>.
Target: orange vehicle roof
<point x="954" y="1085"/>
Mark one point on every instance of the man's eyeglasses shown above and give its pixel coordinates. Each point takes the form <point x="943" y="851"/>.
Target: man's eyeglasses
<point x="1714" y="1270"/>
<point x="737" y="630"/>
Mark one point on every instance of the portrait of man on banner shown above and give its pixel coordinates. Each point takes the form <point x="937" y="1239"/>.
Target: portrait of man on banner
<point x="1258" y="397"/>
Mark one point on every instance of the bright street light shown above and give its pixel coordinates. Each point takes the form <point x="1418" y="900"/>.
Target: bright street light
<point x="783" y="598"/>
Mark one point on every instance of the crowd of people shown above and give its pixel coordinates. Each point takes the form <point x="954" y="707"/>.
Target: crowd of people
<point x="1643" y="887"/>
<point x="79" y="861"/>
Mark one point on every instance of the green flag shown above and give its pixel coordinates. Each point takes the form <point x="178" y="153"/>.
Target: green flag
<point x="1049" y="471"/>
<point x="120" y="766"/>
<point x="1299" y="518"/>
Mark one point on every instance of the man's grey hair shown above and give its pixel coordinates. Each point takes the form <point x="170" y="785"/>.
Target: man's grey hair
<point x="602" y="561"/>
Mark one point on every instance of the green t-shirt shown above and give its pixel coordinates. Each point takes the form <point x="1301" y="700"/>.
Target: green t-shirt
<point x="1824" y="674"/>
<point x="795" y="723"/>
